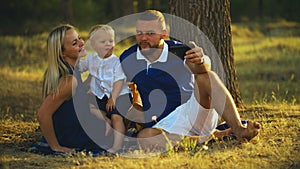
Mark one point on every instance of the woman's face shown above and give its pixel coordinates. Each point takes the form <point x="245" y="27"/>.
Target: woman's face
<point x="73" y="46"/>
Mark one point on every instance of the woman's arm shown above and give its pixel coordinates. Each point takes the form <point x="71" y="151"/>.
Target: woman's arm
<point x="49" y="106"/>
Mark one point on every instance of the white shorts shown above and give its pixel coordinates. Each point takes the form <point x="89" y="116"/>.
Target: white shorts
<point x="190" y="119"/>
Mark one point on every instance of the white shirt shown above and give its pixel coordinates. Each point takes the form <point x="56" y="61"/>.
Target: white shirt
<point x="163" y="57"/>
<point x="104" y="73"/>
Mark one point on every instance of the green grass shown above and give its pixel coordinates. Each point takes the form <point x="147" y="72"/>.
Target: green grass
<point x="267" y="66"/>
<point x="268" y="76"/>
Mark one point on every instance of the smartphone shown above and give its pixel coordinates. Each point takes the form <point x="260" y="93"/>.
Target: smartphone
<point x="179" y="50"/>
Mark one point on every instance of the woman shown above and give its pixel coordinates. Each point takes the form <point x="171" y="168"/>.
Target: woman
<point x="57" y="116"/>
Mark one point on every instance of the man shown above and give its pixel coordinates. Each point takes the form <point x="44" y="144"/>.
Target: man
<point x="166" y="83"/>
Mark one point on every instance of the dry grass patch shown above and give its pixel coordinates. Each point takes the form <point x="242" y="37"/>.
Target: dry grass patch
<point x="277" y="146"/>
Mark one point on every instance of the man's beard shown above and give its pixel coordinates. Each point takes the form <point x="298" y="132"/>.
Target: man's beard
<point x="149" y="51"/>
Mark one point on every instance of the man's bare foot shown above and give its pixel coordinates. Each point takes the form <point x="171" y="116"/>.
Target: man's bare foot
<point x="246" y="134"/>
<point x="243" y="133"/>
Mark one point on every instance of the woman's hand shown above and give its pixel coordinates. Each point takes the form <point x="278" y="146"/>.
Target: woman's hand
<point x="109" y="52"/>
<point x="63" y="149"/>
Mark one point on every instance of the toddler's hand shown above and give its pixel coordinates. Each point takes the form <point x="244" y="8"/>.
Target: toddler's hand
<point x="110" y="104"/>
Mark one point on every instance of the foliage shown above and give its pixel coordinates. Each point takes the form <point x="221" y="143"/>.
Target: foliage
<point x="19" y="17"/>
<point x="33" y="16"/>
<point x="264" y="10"/>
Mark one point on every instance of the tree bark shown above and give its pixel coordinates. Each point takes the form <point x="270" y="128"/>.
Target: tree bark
<point x="66" y="8"/>
<point x="116" y="10"/>
<point x="212" y="17"/>
<point x="127" y="6"/>
<point x="142" y="5"/>
<point x="156" y="4"/>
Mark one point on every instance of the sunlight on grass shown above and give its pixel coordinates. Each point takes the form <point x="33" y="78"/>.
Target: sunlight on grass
<point x="275" y="148"/>
<point x="37" y="75"/>
<point x="266" y="65"/>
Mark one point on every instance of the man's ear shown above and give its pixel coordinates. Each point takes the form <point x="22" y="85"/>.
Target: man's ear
<point x="164" y="34"/>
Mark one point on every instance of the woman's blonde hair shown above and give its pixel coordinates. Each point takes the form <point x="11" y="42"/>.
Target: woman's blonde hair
<point x="56" y="65"/>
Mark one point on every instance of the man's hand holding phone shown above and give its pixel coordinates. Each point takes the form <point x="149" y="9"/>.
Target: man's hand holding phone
<point x="193" y="55"/>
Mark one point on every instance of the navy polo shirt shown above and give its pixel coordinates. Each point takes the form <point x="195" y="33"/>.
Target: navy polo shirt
<point x="163" y="86"/>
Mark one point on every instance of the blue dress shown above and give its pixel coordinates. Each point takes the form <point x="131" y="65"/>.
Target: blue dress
<point x="75" y="127"/>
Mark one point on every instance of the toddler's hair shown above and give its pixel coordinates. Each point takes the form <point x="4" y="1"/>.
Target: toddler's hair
<point x="105" y="28"/>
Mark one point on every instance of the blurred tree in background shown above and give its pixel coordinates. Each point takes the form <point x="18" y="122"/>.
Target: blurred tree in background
<point x="26" y="17"/>
<point x="264" y="10"/>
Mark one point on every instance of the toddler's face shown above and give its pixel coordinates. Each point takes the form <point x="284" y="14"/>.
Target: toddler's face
<point x="103" y="42"/>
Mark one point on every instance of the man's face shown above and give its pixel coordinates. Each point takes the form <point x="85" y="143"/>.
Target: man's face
<point x="149" y="36"/>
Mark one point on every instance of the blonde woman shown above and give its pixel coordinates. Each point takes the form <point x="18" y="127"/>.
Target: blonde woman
<point x="61" y="129"/>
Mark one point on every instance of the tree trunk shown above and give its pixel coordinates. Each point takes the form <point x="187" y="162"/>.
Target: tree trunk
<point x="66" y="8"/>
<point x="261" y="9"/>
<point x="156" y="4"/>
<point x="212" y="17"/>
<point x="116" y="10"/>
<point x="127" y="6"/>
<point x="142" y="5"/>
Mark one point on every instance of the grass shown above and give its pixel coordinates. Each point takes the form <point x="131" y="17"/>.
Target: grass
<point x="267" y="60"/>
<point x="267" y="67"/>
<point x="277" y="147"/>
